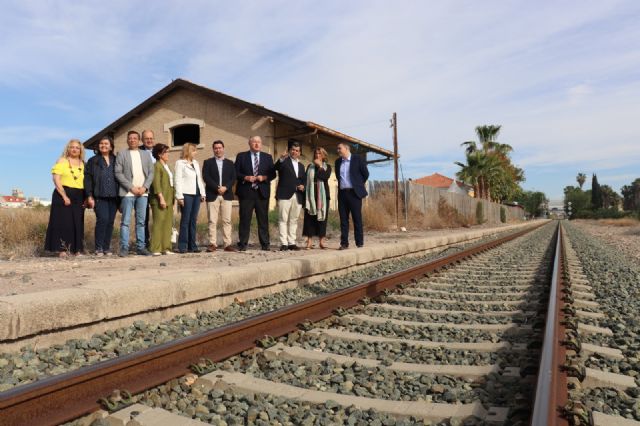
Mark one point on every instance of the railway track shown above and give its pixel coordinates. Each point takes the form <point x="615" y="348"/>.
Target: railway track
<point x="459" y="340"/>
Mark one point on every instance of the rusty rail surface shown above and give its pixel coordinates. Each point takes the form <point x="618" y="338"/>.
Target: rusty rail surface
<point x="62" y="398"/>
<point x="551" y="390"/>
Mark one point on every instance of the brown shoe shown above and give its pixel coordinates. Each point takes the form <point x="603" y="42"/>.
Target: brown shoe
<point x="230" y="248"/>
<point x="211" y="248"/>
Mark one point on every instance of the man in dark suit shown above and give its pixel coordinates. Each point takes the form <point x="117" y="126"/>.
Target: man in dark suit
<point x="219" y="175"/>
<point x="254" y="172"/>
<point x="290" y="195"/>
<point x="148" y="142"/>
<point x="352" y="173"/>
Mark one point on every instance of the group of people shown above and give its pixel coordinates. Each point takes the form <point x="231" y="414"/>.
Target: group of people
<point x="139" y="179"/>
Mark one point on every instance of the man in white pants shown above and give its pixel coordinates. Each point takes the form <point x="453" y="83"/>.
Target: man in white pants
<point x="290" y="195"/>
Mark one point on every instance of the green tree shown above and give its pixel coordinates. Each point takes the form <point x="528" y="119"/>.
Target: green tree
<point x="631" y="196"/>
<point x="596" y="193"/>
<point x="534" y="202"/>
<point x="610" y="198"/>
<point x="580" y="200"/>
<point x="488" y="166"/>
<point x="581" y="178"/>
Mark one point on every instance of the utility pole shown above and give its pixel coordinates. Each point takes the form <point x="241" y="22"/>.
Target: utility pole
<point x="394" y="124"/>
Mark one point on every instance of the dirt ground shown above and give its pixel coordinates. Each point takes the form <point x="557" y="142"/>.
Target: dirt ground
<point x="624" y="238"/>
<point x="49" y="273"/>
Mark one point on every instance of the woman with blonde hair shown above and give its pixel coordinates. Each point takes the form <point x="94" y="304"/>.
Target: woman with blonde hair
<point x="65" y="232"/>
<point x="316" y="206"/>
<point x="190" y="193"/>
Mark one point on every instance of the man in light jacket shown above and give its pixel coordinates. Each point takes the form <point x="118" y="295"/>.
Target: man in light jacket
<point x="134" y="173"/>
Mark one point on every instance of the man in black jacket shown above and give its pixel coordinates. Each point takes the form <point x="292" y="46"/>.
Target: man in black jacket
<point x="352" y="173"/>
<point x="254" y="173"/>
<point x="148" y="142"/>
<point x="290" y="195"/>
<point x="219" y="175"/>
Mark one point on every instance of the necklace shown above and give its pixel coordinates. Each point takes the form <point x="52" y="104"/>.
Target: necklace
<point x="80" y="170"/>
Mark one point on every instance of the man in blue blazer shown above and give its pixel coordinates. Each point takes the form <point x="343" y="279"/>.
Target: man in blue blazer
<point x="219" y="175"/>
<point x="254" y="171"/>
<point x="352" y="173"/>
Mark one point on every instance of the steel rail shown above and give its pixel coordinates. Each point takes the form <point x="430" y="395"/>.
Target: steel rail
<point x="551" y="387"/>
<point x="65" y="397"/>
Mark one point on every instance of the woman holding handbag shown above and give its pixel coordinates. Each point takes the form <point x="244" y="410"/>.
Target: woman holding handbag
<point x="161" y="200"/>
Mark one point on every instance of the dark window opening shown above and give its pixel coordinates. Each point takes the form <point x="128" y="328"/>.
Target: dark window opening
<point x="186" y="133"/>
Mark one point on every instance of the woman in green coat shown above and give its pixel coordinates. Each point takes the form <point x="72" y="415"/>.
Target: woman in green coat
<point x="161" y="200"/>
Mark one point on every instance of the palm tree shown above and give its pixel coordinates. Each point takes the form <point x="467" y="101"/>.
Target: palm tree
<point x="488" y="167"/>
<point x="581" y="178"/>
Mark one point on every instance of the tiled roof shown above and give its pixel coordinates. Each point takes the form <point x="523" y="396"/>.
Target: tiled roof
<point x="437" y="180"/>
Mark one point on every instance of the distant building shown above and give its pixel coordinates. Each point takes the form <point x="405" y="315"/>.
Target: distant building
<point x="445" y="184"/>
<point x="9" y="201"/>
<point x="18" y="193"/>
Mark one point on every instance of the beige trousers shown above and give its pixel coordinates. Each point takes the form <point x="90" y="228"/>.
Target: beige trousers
<point x="222" y="206"/>
<point x="288" y="212"/>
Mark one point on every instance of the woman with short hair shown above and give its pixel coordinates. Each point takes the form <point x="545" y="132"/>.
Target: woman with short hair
<point x="316" y="207"/>
<point x="161" y="200"/>
<point x="190" y="193"/>
<point x="65" y="231"/>
<point x="101" y="190"/>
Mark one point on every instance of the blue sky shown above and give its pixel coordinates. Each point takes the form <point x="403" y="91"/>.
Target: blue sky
<point x="562" y="78"/>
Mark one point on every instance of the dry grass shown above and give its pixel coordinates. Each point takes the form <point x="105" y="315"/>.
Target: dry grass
<point x="379" y="215"/>
<point x="378" y="212"/>
<point x="625" y="221"/>
<point x="22" y="231"/>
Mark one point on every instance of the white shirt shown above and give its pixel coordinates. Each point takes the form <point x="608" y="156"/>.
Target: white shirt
<point x="136" y="169"/>
<point x="166" y="167"/>
<point x="219" y="162"/>
<point x="188" y="177"/>
<point x="295" y="166"/>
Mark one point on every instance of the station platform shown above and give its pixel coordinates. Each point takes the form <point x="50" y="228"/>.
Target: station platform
<point x="80" y="297"/>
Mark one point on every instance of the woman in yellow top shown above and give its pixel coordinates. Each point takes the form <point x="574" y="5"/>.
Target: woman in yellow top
<point x="65" y="233"/>
<point x="161" y="200"/>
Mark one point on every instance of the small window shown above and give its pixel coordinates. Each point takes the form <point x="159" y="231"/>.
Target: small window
<point x="185" y="133"/>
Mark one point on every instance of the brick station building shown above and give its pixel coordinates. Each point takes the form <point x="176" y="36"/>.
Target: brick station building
<point x="186" y="112"/>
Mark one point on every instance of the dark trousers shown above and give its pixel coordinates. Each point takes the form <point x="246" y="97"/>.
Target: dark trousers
<point x="146" y="227"/>
<point x="350" y="204"/>
<point x="253" y="201"/>
<point x="188" y="220"/>
<point x="105" y="209"/>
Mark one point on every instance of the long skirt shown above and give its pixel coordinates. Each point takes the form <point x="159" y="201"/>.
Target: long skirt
<point x="313" y="227"/>
<point x="65" y="231"/>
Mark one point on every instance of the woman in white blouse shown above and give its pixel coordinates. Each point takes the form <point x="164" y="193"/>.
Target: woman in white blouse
<point x="190" y="193"/>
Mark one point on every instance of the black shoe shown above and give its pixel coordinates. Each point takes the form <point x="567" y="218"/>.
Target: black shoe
<point x="360" y="246"/>
<point x="181" y="251"/>
<point x="343" y="247"/>
<point x="123" y="253"/>
<point x="283" y="248"/>
<point x="242" y="248"/>
<point x="195" y="250"/>
<point x="294" y="247"/>
<point x="266" y="248"/>
<point x="143" y="252"/>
